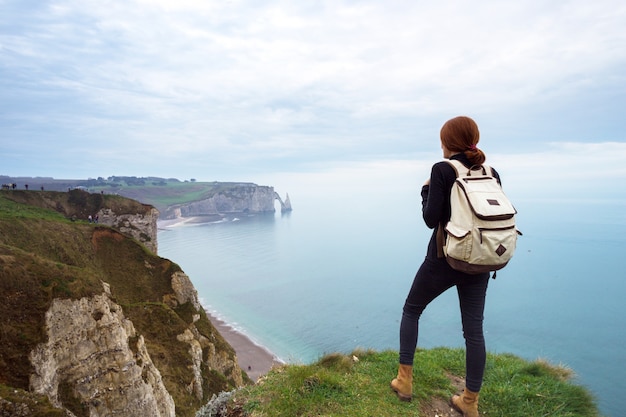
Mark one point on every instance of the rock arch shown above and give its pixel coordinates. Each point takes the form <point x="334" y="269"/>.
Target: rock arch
<point x="284" y="205"/>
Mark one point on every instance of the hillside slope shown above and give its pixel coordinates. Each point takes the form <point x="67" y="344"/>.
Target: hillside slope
<point x="97" y="323"/>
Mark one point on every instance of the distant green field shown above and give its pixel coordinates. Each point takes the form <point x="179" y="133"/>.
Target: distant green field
<point x="164" y="194"/>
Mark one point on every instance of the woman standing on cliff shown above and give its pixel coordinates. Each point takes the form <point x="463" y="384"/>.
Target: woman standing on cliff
<point x="459" y="137"/>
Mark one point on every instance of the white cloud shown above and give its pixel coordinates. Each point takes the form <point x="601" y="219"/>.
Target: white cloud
<point x="327" y="80"/>
<point x="566" y="170"/>
<point x="563" y="171"/>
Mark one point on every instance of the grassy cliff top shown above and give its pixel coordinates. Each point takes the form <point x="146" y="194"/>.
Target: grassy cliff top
<point x="357" y="385"/>
<point x="71" y="204"/>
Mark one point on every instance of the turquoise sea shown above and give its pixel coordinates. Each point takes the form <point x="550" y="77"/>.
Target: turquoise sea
<point x="332" y="276"/>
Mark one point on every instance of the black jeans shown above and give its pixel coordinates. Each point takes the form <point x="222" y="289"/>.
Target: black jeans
<point x="433" y="278"/>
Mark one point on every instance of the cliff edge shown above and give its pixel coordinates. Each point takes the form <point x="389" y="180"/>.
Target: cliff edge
<point x="130" y="217"/>
<point x="92" y="321"/>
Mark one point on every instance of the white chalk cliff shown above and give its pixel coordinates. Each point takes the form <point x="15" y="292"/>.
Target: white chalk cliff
<point x="244" y="198"/>
<point x="93" y="352"/>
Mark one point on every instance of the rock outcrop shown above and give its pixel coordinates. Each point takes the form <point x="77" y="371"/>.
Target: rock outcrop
<point x="140" y="226"/>
<point x="95" y="363"/>
<point x="95" y="360"/>
<point x="284" y="205"/>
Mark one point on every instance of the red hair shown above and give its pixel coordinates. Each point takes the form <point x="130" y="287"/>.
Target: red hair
<point x="461" y="135"/>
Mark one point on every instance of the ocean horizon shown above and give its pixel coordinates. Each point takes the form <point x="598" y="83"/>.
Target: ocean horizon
<point x="332" y="275"/>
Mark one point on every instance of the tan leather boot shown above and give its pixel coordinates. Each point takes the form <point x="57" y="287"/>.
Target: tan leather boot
<point x="466" y="403"/>
<point x="403" y="383"/>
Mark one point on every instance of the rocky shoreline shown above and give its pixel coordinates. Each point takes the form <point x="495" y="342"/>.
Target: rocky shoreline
<point x="255" y="360"/>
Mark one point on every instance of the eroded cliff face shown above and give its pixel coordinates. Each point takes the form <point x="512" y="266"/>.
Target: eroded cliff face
<point x="140" y="226"/>
<point x="94" y="361"/>
<point x="202" y="350"/>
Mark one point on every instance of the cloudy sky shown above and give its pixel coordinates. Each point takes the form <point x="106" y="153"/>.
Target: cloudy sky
<point x="243" y="89"/>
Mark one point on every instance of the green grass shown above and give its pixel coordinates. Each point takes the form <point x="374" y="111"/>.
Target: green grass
<point x="164" y="196"/>
<point x="339" y="386"/>
<point x="15" y="210"/>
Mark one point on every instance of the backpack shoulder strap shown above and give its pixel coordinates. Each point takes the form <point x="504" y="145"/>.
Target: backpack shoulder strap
<point x="457" y="166"/>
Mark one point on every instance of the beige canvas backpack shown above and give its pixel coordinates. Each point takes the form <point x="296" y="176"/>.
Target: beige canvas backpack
<point x="481" y="233"/>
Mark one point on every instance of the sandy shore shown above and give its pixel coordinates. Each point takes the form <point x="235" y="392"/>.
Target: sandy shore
<point x="252" y="358"/>
<point x="179" y="221"/>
